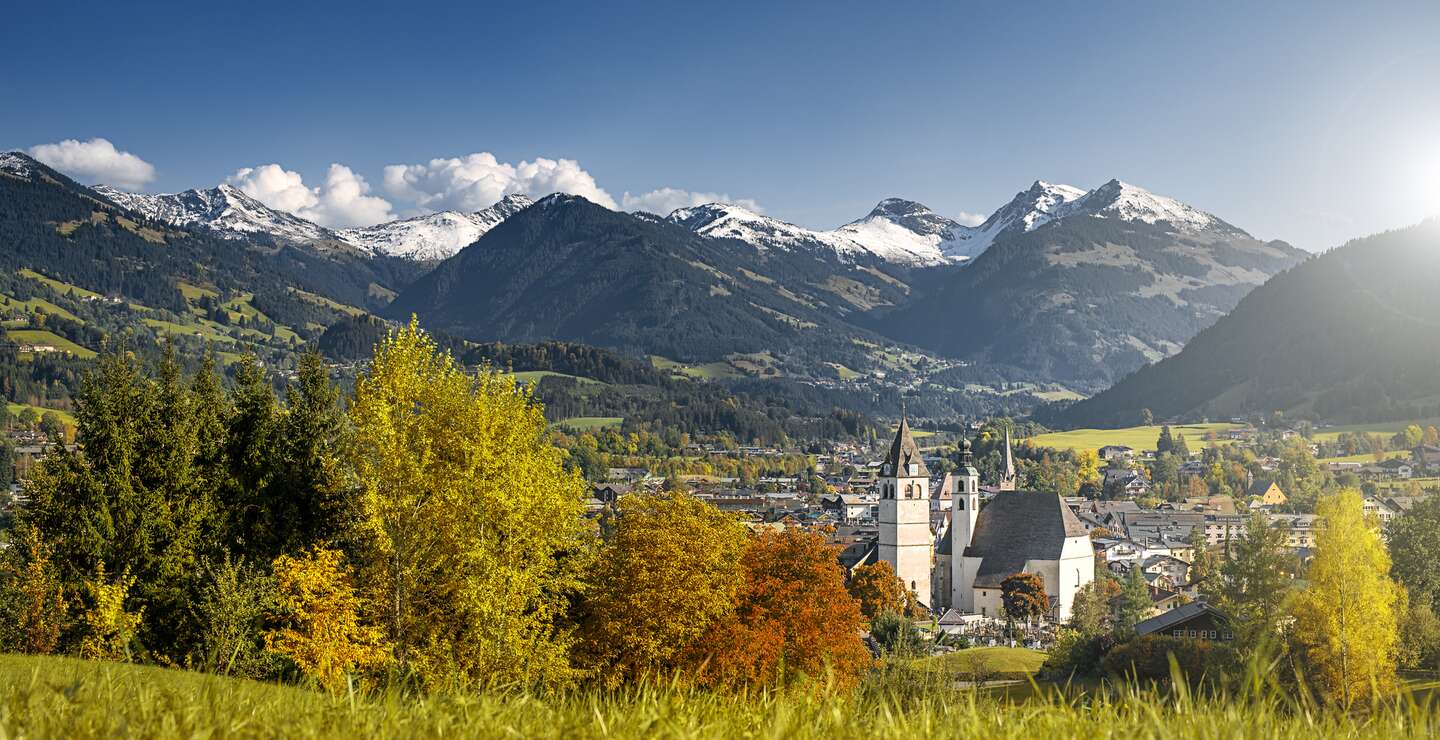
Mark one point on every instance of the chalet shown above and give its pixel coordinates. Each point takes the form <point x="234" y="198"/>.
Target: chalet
<point x="1117" y="453"/>
<point x="1196" y="620"/>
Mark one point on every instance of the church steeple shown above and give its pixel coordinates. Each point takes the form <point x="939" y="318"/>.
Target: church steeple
<point x="904" y="460"/>
<point x="1008" y="476"/>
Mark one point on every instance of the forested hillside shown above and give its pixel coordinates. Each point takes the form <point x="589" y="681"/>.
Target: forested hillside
<point x="1352" y="335"/>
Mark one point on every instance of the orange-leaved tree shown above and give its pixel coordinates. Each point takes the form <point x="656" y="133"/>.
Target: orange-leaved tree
<point x="1023" y="596"/>
<point x="879" y="590"/>
<point x="669" y="570"/>
<point x="794" y="620"/>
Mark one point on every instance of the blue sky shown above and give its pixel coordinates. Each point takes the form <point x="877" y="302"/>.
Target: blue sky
<point x="1310" y="122"/>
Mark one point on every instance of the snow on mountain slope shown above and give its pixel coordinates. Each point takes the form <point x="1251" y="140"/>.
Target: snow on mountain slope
<point x="236" y="215"/>
<point x="16" y="164"/>
<point x="1028" y="210"/>
<point x="905" y="231"/>
<point x="436" y="236"/>
<point x="880" y="234"/>
<point x="1116" y="199"/>
<point x="222" y="208"/>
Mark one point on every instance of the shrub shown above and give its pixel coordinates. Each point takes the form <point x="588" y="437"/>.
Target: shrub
<point x="1148" y="658"/>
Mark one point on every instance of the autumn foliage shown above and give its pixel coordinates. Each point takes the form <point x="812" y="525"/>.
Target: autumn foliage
<point x="794" y="619"/>
<point x="879" y="590"/>
<point x="319" y="622"/>
<point x="669" y="570"/>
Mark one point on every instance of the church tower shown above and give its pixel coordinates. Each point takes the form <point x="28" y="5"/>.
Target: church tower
<point x="905" y="540"/>
<point x="963" y="513"/>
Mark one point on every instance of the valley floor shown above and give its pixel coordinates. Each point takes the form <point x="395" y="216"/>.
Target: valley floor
<point x="46" y="697"/>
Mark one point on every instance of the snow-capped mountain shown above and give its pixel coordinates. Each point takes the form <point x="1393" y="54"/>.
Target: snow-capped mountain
<point x="728" y="221"/>
<point x="231" y="213"/>
<point x="223" y="208"/>
<point x="1116" y="199"/>
<point x="16" y="164"/>
<point x="901" y="230"/>
<point x="896" y="231"/>
<point x="1030" y="209"/>
<point x="436" y="236"/>
<point x="907" y="232"/>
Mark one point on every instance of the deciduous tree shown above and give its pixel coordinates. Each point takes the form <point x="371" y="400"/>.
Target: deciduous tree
<point x="878" y="590"/>
<point x="1347" y="617"/>
<point x="667" y="572"/>
<point x="794" y="619"/>
<point x="466" y="518"/>
<point x="320" y="627"/>
<point x="1023" y="597"/>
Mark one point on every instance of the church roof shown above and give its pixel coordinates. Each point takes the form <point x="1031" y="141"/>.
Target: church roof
<point x="1017" y="527"/>
<point x="904" y="451"/>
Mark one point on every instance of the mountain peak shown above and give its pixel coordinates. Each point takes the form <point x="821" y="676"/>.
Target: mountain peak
<point x="1120" y="199"/>
<point x="18" y="163"/>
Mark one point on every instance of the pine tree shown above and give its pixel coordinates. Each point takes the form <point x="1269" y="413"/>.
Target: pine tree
<point x="1134" y="604"/>
<point x="1255" y="582"/>
<point x="1166" y="442"/>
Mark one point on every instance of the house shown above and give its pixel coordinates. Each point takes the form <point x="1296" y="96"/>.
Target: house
<point x="1137" y="486"/>
<point x="1299" y="529"/>
<point x="1266" y="492"/>
<point x="848" y="508"/>
<point x="1196" y="620"/>
<point x="1172" y="572"/>
<point x="1117" y="453"/>
<point x="1427" y="456"/>
<point x="1383" y="509"/>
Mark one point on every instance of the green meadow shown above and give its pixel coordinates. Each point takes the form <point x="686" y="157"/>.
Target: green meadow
<point x="48" y="697"/>
<point x="1140" y="438"/>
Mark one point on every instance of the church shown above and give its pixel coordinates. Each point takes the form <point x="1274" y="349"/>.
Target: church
<point x="960" y="563"/>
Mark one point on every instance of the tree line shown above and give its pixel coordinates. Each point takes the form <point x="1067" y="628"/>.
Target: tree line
<point x="421" y="531"/>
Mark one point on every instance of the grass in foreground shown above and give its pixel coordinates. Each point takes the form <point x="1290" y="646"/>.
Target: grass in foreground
<point x="63" y="697"/>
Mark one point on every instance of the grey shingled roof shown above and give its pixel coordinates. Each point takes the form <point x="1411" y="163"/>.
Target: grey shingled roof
<point x="1180" y="613"/>
<point x="904" y="451"/>
<point x="1016" y="527"/>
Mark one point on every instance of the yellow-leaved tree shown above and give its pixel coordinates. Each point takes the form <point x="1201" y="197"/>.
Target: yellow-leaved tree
<point x="668" y="571"/>
<point x="1347" y="619"/>
<point x="319" y="620"/>
<point x="467" y="521"/>
<point x="109" y="627"/>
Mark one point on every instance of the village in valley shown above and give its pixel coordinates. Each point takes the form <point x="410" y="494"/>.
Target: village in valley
<point x="917" y="503"/>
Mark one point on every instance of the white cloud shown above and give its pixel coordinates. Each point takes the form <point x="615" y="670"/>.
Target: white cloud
<point x="342" y="200"/>
<point x="476" y="181"/>
<point x="971" y="219"/>
<point x="96" y="161"/>
<point x="665" y="200"/>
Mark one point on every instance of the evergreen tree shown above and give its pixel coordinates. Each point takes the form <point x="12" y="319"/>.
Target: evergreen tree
<point x="1166" y="443"/>
<point x="1255" y="582"/>
<point x="1134" y="604"/>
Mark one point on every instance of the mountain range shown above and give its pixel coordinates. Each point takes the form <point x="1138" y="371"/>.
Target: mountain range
<point x="1060" y="286"/>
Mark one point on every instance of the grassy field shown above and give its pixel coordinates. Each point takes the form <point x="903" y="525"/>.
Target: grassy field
<point x="534" y="376"/>
<point x="69" y="698"/>
<point x="1366" y="457"/>
<point x="590" y="423"/>
<point x="1381" y="427"/>
<point x="47" y="338"/>
<point x="16" y="408"/>
<point x="1140" y="438"/>
<point x="704" y="371"/>
<point x="36" y="305"/>
<point x="1007" y="662"/>
<point x="58" y="286"/>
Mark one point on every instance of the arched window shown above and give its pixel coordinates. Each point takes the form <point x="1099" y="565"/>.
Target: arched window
<point x="960" y="504"/>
